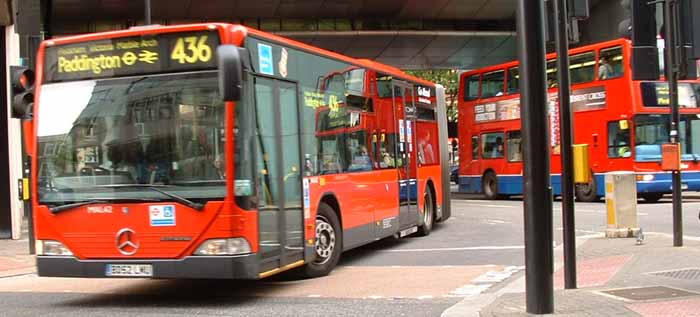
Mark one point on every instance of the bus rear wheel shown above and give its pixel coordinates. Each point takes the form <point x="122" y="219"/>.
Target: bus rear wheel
<point x="428" y="214"/>
<point x="489" y="185"/>
<point x="586" y="192"/>
<point x="328" y="245"/>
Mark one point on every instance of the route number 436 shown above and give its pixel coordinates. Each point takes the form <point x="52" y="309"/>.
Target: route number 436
<point x="191" y="50"/>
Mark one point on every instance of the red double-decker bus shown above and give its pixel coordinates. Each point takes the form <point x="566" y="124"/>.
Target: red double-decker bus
<point x="623" y="121"/>
<point x="219" y="151"/>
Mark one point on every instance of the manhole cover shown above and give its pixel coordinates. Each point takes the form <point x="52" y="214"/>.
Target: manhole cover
<point x="685" y="274"/>
<point x="649" y="293"/>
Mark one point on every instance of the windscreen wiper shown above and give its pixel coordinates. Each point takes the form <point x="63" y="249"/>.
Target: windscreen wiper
<point x="156" y="188"/>
<point x="57" y="209"/>
<point x="179" y="199"/>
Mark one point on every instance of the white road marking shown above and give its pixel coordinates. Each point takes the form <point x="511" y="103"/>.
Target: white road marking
<point x="508" y="247"/>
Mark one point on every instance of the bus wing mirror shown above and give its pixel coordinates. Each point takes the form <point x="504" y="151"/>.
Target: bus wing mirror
<point x="230" y="72"/>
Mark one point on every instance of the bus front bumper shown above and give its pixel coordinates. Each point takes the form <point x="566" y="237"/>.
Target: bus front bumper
<point x="690" y="181"/>
<point x="194" y="267"/>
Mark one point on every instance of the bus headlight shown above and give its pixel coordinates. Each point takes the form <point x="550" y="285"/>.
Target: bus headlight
<point x="231" y="246"/>
<point x="51" y="247"/>
<point x="645" y="177"/>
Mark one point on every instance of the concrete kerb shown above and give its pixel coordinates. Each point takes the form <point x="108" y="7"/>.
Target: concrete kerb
<point x="472" y="305"/>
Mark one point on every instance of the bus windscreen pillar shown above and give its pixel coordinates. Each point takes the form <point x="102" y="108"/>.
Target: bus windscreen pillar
<point x="621" y="205"/>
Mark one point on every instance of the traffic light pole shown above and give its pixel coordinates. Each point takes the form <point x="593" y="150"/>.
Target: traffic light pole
<point x="671" y="69"/>
<point x="567" y="164"/>
<point x="147" y="13"/>
<point x="539" y="289"/>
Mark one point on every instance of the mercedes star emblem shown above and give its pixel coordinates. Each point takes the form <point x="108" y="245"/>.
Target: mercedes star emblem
<point x="126" y="241"/>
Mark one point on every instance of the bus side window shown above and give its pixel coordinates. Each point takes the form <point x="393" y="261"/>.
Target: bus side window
<point x="492" y="84"/>
<point x="513" y="80"/>
<point x="610" y="64"/>
<point x="475" y="147"/>
<point x="618" y="140"/>
<point x="471" y="87"/>
<point x="582" y="67"/>
<point x="514" y="146"/>
<point x="492" y="145"/>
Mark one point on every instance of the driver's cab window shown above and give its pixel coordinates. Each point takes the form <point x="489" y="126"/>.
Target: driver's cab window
<point x="619" y="139"/>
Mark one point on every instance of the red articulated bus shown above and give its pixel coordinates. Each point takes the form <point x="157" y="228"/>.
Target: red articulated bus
<point x="219" y="151"/>
<point x="623" y="121"/>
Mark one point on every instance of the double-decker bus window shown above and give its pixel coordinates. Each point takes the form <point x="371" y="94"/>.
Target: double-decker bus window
<point x="514" y="146"/>
<point x="492" y="84"/>
<point x="492" y="145"/>
<point x="618" y="140"/>
<point x="358" y="155"/>
<point x="471" y="87"/>
<point x="383" y="86"/>
<point x="582" y="67"/>
<point x="475" y="147"/>
<point x="513" y="80"/>
<point x="552" y="81"/>
<point x="387" y="151"/>
<point x="610" y="64"/>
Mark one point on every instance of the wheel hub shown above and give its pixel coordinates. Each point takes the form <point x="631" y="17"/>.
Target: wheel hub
<point x="325" y="240"/>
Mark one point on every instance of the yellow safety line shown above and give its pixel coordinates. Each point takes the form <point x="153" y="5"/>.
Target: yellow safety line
<point x="282" y="269"/>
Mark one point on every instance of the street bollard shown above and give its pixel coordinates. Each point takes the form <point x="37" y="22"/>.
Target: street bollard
<point x="621" y="204"/>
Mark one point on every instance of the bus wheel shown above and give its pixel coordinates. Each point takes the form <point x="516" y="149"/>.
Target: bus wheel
<point x="489" y="185"/>
<point x="652" y="197"/>
<point x="329" y="243"/>
<point x="586" y="192"/>
<point x="428" y="214"/>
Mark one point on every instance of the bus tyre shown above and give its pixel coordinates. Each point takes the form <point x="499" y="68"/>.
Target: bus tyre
<point x="652" y="197"/>
<point x="428" y="214"/>
<point x="489" y="185"/>
<point x="586" y="192"/>
<point x="328" y="245"/>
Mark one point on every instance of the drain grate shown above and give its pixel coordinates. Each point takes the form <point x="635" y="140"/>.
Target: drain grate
<point x="649" y="293"/>
<point x="684" y="274"/>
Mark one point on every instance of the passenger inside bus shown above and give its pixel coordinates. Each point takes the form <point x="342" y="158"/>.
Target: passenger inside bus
<point x="605" y="70"/>
<point x="497" y="148"/>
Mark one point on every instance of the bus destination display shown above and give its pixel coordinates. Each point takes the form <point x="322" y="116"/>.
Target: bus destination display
<point x="129" y="56"/>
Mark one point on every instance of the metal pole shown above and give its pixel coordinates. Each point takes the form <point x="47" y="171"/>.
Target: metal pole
<point x="537" y="189"/>
<point x="147" y="5"/>
<point x="671" y="69"/>
<point x="567" y="163"/>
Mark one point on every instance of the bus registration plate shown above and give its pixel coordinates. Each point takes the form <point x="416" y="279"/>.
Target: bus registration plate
<point x="141" y="270"/>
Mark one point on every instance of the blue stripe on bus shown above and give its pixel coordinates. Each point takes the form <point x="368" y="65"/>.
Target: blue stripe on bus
<point x="513" y="184"/>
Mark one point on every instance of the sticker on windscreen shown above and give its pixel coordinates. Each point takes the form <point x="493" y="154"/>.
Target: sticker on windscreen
<point x="162" y="215"/>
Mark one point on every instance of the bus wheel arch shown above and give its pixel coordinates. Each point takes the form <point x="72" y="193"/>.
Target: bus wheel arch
<point x="428" y="213"/>
<point x="489" y="184"/>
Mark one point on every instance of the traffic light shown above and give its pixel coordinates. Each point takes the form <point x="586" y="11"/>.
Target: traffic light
<point x="22" y="81"/>
<point x="639" y="25"/>
<point x="689" y="11"/>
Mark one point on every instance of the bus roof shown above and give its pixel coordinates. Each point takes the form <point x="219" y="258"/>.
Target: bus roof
<point x="157" y="29"/>
<point x="577" y="50"/>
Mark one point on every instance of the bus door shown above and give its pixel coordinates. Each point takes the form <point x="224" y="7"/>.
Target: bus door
<point x="278" y="176"/>
<point x="406" y="153"/>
